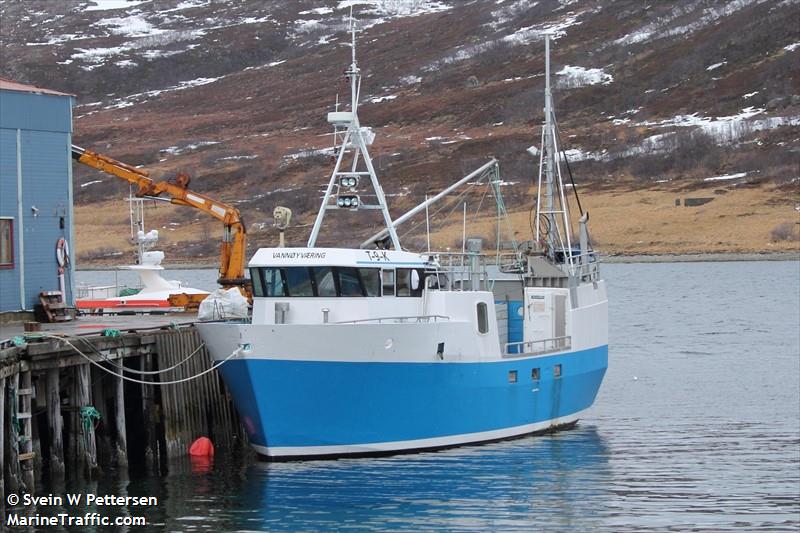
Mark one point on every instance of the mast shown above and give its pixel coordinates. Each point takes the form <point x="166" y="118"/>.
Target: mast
<point x="548" y="148"/>
<point x="343" y="185"/>
<point x="555" y="210"/>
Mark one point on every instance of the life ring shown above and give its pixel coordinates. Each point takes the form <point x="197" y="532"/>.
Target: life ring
<point x="62" y="252"/>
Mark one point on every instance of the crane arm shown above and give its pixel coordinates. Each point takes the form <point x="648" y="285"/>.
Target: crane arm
<point x="234" y="243"/>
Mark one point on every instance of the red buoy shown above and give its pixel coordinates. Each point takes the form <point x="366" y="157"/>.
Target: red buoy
<point x="202" y="447"/>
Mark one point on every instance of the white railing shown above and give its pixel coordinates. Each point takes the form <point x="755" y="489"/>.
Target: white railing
<point x="463" y="270"/>
<point x="526" y="348"/>
<point x="98" y="293"/>
<point x="398" y="319"/>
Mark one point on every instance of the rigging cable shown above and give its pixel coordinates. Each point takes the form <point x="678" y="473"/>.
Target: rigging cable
<point x="569" y="170"/>
<point x="216" y="365"/>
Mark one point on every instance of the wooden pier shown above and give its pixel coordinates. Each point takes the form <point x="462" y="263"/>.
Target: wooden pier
<point x="64" y="414"/>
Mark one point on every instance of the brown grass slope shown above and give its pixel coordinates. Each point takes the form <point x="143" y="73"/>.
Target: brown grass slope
<point x="279" y="76"/>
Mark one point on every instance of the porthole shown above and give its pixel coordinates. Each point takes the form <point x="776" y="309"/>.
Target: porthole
<point x="512" y="376"/>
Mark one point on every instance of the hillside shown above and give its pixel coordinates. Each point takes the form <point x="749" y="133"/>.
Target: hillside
<point x="656" y="101"/>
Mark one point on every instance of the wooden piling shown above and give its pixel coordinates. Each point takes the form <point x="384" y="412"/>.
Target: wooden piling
<point x="85" y="428"/>
<point x="102" y="436"/>
<point x="200" y="407"/>
<point x="121" y="443"/>
<point x="25" y="418"/>
<point x="148" y="412"/>
<point x="2" y="449"/>
<point x="55" y="423"/>
<point x="14" y="478"/>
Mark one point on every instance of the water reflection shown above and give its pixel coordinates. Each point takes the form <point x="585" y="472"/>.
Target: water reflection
<point x="515" y="485"/>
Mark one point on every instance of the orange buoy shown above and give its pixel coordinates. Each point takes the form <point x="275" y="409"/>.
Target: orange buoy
<point x="202" y="447"/>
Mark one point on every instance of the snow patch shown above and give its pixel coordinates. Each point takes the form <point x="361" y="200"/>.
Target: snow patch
<point x="707" y="16"/>
<point x="397" y="8"/>
<point x="536" y="32"/>
<point x="571" y="77"/>
<point x="130" y="26"/>
<point x="237" y="157"/>
<point x="108" y="5"/>
<point x="379" y="99"/>
<point x="255" y="20"/>
<point x="84" y="185"/>
<point x="176" y="150"/>
<point x="792" y="47"/>
<point x="303" y="154"/>
<point x="716" y="65"/>
<point x="317" y="11"/>
<point x="727" y="177"/>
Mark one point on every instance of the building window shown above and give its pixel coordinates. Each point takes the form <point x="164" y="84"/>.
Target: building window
<point x="483" y="318"/>
<point x="557" y="371"/>
<point x="6" y="243"/>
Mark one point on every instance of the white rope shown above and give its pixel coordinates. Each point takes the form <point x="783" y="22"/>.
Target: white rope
<point x="159" y="383"/>
<point x="133" y="370"/>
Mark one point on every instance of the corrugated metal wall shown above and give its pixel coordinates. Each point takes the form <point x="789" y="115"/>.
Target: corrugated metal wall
<point x="37" y="128"/>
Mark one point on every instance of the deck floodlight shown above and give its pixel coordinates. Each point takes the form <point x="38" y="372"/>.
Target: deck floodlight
<point x="348" y="181"/>
<point x="348" y="201"/>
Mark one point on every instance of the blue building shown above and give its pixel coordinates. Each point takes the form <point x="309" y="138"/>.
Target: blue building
<point x="36" y="220"/>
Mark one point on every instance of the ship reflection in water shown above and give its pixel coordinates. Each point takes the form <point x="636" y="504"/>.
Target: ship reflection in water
<point x="531" y="482"/>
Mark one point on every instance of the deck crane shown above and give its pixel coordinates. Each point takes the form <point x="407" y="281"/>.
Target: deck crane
<point x="234" y="237"/>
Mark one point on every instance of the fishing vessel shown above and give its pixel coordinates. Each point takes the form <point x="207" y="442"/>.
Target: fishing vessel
<point x="376" y="349"/>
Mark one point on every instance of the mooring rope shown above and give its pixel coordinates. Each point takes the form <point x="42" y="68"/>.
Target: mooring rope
<point x="142" y="382"/>
<point x="133" y="370"/>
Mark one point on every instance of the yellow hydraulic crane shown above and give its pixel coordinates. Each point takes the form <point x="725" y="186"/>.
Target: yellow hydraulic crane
<point x="234" y="237"/>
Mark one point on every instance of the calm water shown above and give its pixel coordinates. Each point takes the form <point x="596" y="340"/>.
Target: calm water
<point x="697" y="426"/>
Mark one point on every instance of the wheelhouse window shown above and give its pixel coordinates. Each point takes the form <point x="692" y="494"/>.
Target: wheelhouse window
<point x="324" y="282"/>
<point x="6" y="243"/>
<point x="409" y="282"/>
<point x="274" y="284"/>
<point x="371" y="278"/>
<point x="257" y="281"/>
<point x="324" y="279"/>
<point x="349" y="283"/>
<point x="298" y="281"/>
<point x="403" y="282"/>
<point x="388" y="282"/>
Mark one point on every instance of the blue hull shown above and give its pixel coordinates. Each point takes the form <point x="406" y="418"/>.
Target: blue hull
<point x="306" y="404"/>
